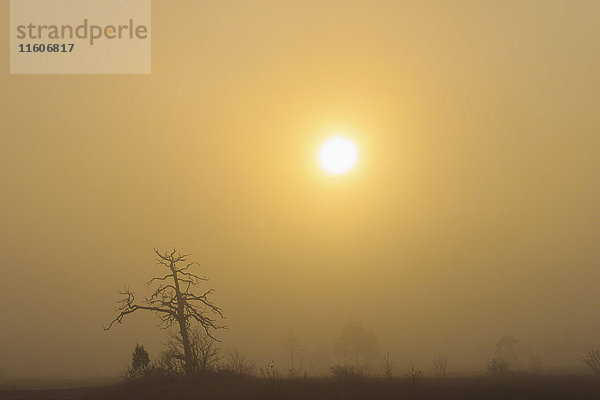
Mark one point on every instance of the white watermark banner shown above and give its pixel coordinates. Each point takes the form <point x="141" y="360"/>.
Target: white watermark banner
<point x="80" y="36"/>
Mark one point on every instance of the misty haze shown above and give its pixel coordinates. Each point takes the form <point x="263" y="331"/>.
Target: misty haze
<point x="310" y="199"/>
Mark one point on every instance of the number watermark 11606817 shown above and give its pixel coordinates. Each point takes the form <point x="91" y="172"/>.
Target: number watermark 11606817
<point x="50" y="48"/>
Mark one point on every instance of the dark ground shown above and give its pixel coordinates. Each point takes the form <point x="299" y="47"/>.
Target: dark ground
<point x="528" y="387"/>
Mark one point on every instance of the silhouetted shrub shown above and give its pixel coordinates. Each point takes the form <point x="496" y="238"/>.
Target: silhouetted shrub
<point x="139" y="358"/>
<point x="139" y="368"/>
<point x="414" y="375"/>
<point x="169" y="364"/>
<point x="270" y="371"/>
<point x="236" y="363"/>
<point x="204" y="353"/>
<point x="506" y="353"/>
<point x="347" y="371"/>
<point x="498" y="367"/>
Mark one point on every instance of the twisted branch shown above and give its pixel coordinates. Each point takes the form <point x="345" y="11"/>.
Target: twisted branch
<point x="171" y="301"/>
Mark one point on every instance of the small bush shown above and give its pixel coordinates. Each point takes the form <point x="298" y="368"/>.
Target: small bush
<point x="139" y="368"/>
<point x="414" y="375"/>
<point x="347" y="371"/>
<point x="497" y="367"/>
<point x="270" y="371"/>
<point x="236" y="363"/>
<point x="139" y="358"/>
<point x="204" y="353"/>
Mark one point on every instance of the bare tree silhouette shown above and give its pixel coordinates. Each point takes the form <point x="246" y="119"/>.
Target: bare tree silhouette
<point x="591" y="356"/>
<point x="506" y="351"/>
<point x="387" y="365"/>
<point x="174" y="302"/>
<point x="356" y="346"/>
<point x="440" y="365"/>
<point x="295" y="350"/>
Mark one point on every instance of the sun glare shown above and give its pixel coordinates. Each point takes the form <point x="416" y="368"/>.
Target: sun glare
<point x="337" y="155"/>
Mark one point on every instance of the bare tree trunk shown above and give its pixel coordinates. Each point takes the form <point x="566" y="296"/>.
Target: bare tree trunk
<point x="187" y="352"/>
<point x="183" y="329"/>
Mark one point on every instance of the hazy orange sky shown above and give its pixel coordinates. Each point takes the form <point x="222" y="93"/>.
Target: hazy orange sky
<point x="473" y="212"/>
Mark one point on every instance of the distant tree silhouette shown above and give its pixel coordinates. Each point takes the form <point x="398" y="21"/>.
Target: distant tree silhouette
<point x="356" y="345"/>
<point x="387" y="365"/>
<point x="294" y="350"/>
<point x="175" y="303"/>
<point x="506" y="351"/>
<point x="497" y="367"/>
<point x="440" y="365"/>
<point x="591" y="356"/>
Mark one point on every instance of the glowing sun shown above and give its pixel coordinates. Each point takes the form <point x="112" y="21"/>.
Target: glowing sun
<point x="337" y="155"/>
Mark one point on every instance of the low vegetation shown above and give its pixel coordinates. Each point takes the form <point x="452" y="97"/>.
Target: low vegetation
<point x="224" y="387"/>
